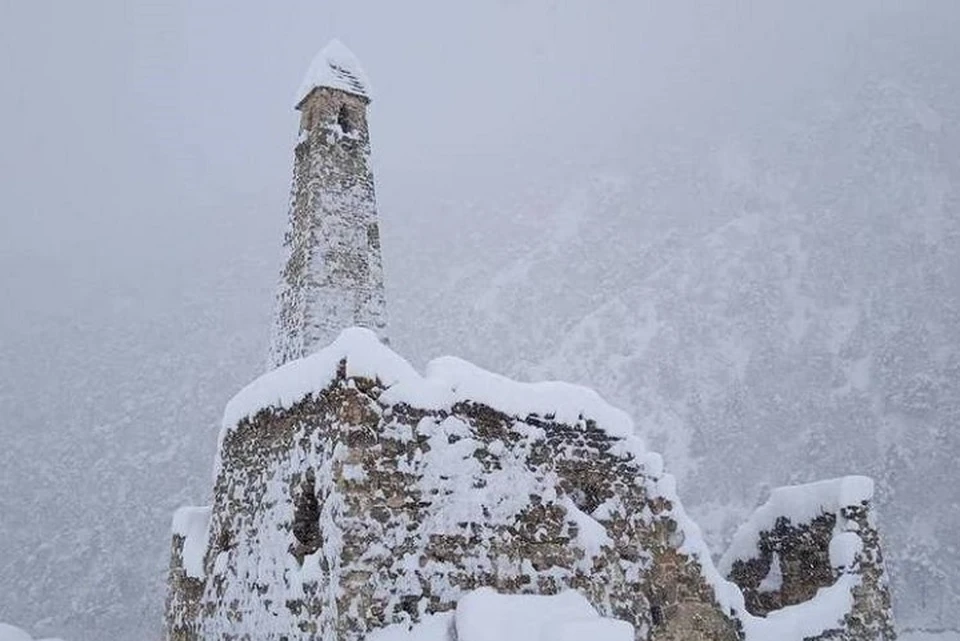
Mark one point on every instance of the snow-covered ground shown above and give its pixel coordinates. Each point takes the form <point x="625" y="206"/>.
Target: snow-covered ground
<point x="923" y="635"/>
<point x="484" y="615"/>
<point x="12" y="633"/>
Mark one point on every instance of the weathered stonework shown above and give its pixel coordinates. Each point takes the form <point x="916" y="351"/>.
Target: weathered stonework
<point x="352" y="493"/>
<point x="347" y="512"/>
<point x="352" y="501"/>
<point x="812" y="552"/>
<point x="333" y="278"/>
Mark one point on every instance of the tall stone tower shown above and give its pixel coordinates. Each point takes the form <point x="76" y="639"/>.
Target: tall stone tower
<point x="333" y="276"/>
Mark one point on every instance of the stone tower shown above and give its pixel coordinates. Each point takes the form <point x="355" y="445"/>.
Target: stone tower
<point x="333" y="277"/>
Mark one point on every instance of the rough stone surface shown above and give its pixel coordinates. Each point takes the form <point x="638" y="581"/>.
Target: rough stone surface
<point x="338" y="511"/>
<point x="344" y="504"/>
<point x="343" y="515"/>
<point x="802" y="550"/>
<point x="333" y="276"/>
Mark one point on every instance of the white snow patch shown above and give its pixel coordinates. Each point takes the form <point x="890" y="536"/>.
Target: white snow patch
<point x="774" y="579"/>
<point x="825" y="611"/>
<point x="191" y="523"/>
<point x="435" y="627"/>
<point x="335" y="67"/>
<point x="598" y="629"/>
<point x="485" y="615"/>
<point x="13" y="633"/>
<point x="591" y="534"/>
<point x="844" y="548"/>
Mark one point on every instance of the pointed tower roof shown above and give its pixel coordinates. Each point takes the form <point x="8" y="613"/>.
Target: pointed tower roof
<point x="335" y="67"/>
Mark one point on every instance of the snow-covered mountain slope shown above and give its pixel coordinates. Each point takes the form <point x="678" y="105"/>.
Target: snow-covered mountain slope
<point x="793" y="317"/>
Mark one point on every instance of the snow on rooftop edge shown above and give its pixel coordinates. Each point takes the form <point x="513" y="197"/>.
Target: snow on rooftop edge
<point x="335" y="67"/>
<point x="447" y="381"/>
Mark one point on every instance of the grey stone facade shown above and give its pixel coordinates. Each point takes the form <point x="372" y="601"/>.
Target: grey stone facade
<point x="351" y="493"/>
<point x="333" y="277"/>
<point x="806" y="555"/>
<point x="346" y="513"/>
<point x="345" y="506"/>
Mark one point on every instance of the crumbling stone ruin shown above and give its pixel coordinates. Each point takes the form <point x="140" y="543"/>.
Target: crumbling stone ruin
<point x="815" y="539"/>
<point x="354" y="495"/>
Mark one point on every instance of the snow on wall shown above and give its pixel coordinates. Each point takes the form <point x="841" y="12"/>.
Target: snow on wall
<point x="333" y="276"/>
<point x="191" y="524"/>
<point x="799" y="504"/>
<point x="353" y="493"/>
<point x="484" y="615"/>
<point x="809" y="561"/>
<point x="447" y="381"/>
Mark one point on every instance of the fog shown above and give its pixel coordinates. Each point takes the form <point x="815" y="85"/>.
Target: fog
<point x="548" y="173"/>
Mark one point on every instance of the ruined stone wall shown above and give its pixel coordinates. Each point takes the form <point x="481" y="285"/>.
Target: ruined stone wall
<point x="808" y="555"/>
<point x="352" y="493"/>
<point x="345" y="514"/>
<point x="333" y="277"/>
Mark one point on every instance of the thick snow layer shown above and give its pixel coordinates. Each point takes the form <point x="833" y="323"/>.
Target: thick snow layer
<point x="12" y="633"/>
<point x="568" y="403"/>
<point x="800" y="504"/>
<point x="191" y="523"/>
<point x="924" y="635"/>
<point x="825" y="611"/>
<point x="335" y="67"/>
<point x="448" y="381"/>
<point x="436" y="627"/>
<point x="485" y="615"/>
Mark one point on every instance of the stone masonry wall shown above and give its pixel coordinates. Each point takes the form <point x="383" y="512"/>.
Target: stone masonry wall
<point x="333" y="277"/>
<point x="345" y="514"/>
<point x="803" y="552"/>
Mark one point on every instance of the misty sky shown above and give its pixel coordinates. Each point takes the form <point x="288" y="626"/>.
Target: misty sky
<point x="145" y="157"/>
<point x="143" y="129"/>
<point x="145" y="143"/>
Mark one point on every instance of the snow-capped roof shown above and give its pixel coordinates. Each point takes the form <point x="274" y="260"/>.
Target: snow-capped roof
<point x="335" y="67"/>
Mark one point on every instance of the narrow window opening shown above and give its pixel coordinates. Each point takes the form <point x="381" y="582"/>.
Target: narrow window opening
<point x="373" y="236"/>
<point x="344" y="120"/>
<point x="306" y="518"/>
<point x="656" y="615"/>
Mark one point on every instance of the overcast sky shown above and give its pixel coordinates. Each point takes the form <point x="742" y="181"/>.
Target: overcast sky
<point x="145" y="158"/>
<point x="128" y="123"/>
